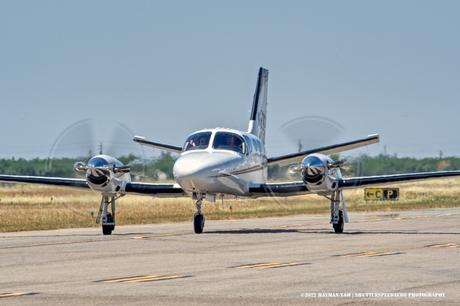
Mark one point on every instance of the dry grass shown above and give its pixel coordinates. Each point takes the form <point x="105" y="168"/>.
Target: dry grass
<point x="26" y="207"/>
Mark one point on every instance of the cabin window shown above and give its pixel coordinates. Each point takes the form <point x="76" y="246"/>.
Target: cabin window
<point x="198" y="141"/>
<point x="229" y="141"/>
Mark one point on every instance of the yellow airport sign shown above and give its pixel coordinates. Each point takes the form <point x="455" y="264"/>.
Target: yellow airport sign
<point x="381" y="194"/>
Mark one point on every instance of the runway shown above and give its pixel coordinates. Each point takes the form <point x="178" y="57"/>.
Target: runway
<point x="405" y="258"/>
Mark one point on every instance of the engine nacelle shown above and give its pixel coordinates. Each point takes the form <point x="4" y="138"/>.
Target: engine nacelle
<point x="319" y="172"/>
<point x="106" y="174"/>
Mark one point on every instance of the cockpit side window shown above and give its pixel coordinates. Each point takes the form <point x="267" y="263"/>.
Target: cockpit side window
<point x="198" y="141"/>
<point x="249" y="144"/>
<point x="229" y="141"/>
<point x="261" y="147"/>
<point x="254" y="145"/>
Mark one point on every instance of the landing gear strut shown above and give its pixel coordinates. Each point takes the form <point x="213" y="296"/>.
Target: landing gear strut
<point x="339" y="213"/>
<point x="105" y="218"/>
<point x="198" y="218"/>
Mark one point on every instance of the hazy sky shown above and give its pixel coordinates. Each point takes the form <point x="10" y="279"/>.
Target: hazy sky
<point x="167" y="68"/>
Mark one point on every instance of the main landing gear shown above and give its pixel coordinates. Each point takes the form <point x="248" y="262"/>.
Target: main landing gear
<point x="106" y="218"/>
<point x="198" y="218"/>
<point x="339" y="213"/>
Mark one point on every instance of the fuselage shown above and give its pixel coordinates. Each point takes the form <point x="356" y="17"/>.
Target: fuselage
<point x="221" y="161"/>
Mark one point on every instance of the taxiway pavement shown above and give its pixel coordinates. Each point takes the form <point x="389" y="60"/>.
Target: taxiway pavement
<point x="409" y="255"/>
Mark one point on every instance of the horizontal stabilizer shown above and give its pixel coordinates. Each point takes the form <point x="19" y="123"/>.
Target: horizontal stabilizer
<point x="327" y="150"/>
<point x="157" y="145"/>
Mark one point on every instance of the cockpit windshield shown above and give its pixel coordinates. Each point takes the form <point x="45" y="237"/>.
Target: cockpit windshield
<point x="198" y="141"/>
<point x="229" y="141"/>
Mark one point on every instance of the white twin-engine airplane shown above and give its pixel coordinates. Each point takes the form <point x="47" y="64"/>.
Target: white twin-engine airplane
<point x="221" y="162"/>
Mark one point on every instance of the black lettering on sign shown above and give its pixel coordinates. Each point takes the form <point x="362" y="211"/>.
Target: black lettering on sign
<point x="381" y="194"/>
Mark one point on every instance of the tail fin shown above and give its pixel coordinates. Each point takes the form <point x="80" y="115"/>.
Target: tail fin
<point x="257" y="122"/>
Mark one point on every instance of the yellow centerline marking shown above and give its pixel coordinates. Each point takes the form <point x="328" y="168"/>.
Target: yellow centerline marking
<point x="257" y="265"/>
<point x="157" y="278"/>
<point x="382" y="254"/>
<point x="142" y="278"/>
<point x="11" y="294"/>
<point x="269" y="265"/>
<point x="280" y="265"/>
<point x="445" y="245"/>
<point x="369" y="254"/>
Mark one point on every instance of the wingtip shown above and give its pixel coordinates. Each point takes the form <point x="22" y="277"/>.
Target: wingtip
<point x="137" y="138"/>
<point x="375" y="138"/>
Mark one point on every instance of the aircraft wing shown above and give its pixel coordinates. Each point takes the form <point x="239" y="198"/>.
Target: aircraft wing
<point x="157" y="190"/>
<point x="157" y="145"/>
<point x="355" y="182"/>
<point x="327" y="150"/>
<point x="299" y="187"/>
<point x="279" y="189"/>
<point x="55" y="181"/>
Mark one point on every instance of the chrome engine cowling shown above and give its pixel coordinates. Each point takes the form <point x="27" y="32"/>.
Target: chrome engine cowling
<point x="317" y="172"/>
<point x="105" y="174"/>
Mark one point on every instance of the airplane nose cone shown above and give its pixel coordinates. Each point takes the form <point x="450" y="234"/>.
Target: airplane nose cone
<point x="188" y="164"/>
<point x="194" y="170"/>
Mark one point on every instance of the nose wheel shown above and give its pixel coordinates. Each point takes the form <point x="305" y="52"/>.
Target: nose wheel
<point x="105" y="218"/>
<point x="108" y="228"/>
<point x="339" y="214"/>
<point x="198" y="223"/>
<point x="198" y="218"/>
<point x="338" y="227"/>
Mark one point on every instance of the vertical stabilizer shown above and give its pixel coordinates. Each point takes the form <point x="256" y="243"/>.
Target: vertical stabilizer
<point x="257" y="122"/>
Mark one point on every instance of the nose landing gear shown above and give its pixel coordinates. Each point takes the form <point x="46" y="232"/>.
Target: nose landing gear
<point x="105" y="218"/>
<point x="198" y="217"/>
<point x="339" y="215"/>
